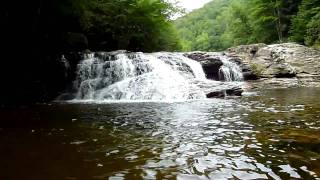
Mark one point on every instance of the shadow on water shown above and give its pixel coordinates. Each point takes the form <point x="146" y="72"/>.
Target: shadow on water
<point x="274" y="134"/>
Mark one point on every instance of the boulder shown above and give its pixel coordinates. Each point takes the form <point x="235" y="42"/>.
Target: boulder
<point x="216" y="94"/>
<point x="210" y="62"/>
<point x="235" y="91"/>
<point x="211" y="67"/>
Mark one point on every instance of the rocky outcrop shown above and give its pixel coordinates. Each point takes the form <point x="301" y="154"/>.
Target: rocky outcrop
<point x="285" y="60"/>
<point x="279" y="65"/>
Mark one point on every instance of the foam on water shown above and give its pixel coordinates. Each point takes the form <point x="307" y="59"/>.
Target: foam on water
<point x="119" y="76"/>
<point x="229" y="71"/>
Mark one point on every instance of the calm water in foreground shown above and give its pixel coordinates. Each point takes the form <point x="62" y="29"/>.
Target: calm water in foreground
<point x="274" y="134"/>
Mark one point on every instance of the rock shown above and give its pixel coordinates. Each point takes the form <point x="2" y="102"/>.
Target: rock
<point x="197" y="56"/>
<point x="236" y="91"/>
<point x="281" y="70"/>
<point x="289" y="58"/>
<point x="250" y="75"/>
<point x="251" y="49"/>
<point x="216" y="94"/>
<point x="210" y="62"/>
<point x="271" y="62"/>
<point x="211" y="68"/>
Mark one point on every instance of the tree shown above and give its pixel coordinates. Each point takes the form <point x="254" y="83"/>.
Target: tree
<point x="199" y="29"/>
<point x="305" y="22"/>
<point x="225" y="23"/>
<point x="266" y="18"/>
<point x="139" y="25"/>
<point x="238" y="28"/>
<point x="313" y="31"/>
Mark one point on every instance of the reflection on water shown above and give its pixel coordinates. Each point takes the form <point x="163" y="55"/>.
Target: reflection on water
<point x="272" y="135"/>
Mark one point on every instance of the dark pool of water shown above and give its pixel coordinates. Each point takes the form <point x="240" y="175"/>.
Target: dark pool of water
<point x="272" y="135"/>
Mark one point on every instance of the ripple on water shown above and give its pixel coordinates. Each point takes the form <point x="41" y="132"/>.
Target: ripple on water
<point x="272" y="135"/>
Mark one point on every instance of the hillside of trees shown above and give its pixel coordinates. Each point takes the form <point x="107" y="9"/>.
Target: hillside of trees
<point x="224" y="23"/>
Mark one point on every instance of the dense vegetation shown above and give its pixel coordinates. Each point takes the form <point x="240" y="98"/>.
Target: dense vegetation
<point x="106" y="24"/>
<point x="36" y="33"/>
<point x="224" y="23"/>
<point x="140" y="25"/>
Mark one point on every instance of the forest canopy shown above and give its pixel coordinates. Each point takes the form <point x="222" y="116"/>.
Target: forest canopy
<point x="146" y="25"/>
<point x="140" y="25"/>
<point x="224" y="23"/>
<point x="73" y="25"/>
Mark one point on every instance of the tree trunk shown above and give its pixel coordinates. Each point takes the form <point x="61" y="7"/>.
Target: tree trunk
<point x="277" y="14"/>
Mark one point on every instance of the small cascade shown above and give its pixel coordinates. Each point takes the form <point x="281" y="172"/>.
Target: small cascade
<point x="138" y="76"/>
<point x="229" y="71"/>
<point x="162" y="76"/>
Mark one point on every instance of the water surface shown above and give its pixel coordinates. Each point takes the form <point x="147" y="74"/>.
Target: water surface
<point x="273" y="134"/>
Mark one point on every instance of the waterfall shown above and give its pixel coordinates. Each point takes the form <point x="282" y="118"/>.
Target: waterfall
<point x="229" y="71"/>
<point x="162" y="76"/>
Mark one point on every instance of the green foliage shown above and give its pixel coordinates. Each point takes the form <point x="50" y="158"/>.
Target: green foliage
<point x="313" y="31"/>
<point x="226" y="23"/>
<point x="137" y="25"/>
<point x="199" y="30"/>
<point x="238" y="29"/>
<point x="272" y="18"/>
<point x="305" y="25"/>
<point x="140" y="25"/>
<point x="264" y="20"/>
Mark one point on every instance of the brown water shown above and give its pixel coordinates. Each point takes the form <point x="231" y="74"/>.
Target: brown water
<point x="274" y="134"/>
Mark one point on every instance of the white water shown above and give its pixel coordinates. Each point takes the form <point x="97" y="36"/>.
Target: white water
<point x="138" y="77"/>
<point x="229" y="71"/>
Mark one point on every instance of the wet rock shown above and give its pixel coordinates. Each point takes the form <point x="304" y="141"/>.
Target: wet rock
<point x="211" y="68"/>
<point x="216" y="94"/>
<point x="210" y="62"/>
<point x="250" y="75"/>
<point x="197" y="56"/>
<point x="236" y="91"/>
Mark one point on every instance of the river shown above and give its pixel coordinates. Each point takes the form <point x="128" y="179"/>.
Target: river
<point x="269" y="134"/>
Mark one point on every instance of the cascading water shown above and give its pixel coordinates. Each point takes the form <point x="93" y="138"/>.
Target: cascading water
<point x="139" y="76"/>
<point x="229" y="71"/>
